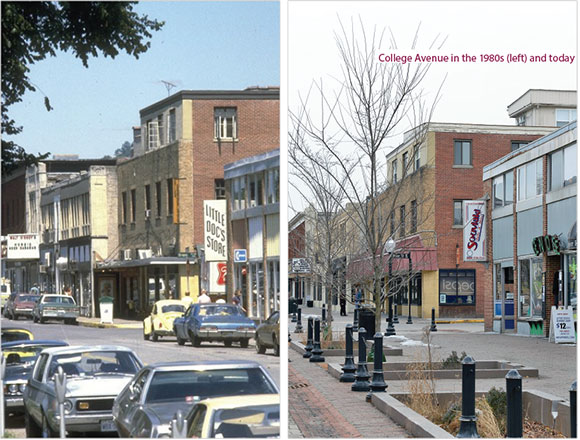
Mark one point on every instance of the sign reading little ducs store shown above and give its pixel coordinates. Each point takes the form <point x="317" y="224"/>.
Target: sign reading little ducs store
<point x="546" y="243"/>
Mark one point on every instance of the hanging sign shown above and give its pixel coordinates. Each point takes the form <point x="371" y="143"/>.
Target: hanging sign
<point x="215" y="228"/>
<point x="474" y="235"/>
<point x="22" y="247"/>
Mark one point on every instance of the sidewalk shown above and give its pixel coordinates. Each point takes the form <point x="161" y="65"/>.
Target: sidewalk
<point x="117" y="323"/>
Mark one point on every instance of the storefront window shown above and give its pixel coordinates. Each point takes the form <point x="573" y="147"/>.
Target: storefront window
<point x="571" y="280"/>
<point x="536" y="285"/>
<point x="257" y="290"/>
<point x="524" y="294"/>
<point x="457" y="287"/>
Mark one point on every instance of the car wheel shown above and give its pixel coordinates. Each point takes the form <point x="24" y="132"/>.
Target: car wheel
<point x="154" y="337"/>
<point x="47" y="431"/>
<point x="228" y="343"/>
<point x="244" y="343"/>
<point x="180" y="341"/>
<point x="145" y="336"/>
<point x="31" y="427"/>
<point x="195" y="341"/>
<point x="276" y="346"/>
<point x="260" y="349"/>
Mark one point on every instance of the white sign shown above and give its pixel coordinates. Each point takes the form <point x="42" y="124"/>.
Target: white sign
<point x="300" y="265"/>
<point x="215" y="227"/>
<point x="563" y="325"/>
<point x="474" y="235"/>
<point x="217" y="277"/>
<point x="22" y="247"/>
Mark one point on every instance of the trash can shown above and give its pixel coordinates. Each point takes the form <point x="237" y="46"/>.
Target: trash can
<point x="299" y="301"/>
<point x="106" y="309"/>
<point x="292" y="306"/>
<point x="366" y="319"/>
<point x="309" y="303"/>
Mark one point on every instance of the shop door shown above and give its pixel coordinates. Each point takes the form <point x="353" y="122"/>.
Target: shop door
<point x="508" y="306"/>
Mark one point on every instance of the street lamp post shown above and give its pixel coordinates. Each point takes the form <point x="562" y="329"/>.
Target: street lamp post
<point x="409" y="319"/>
<point x="390" y="247"/>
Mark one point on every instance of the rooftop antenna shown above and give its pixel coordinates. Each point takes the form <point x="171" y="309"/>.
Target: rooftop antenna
<point x="168" y="86"/>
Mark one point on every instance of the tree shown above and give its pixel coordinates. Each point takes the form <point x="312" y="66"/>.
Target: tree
<point x="32" y="31"/>
<point x="372" y="103"/>
<point x="126" y="150"/>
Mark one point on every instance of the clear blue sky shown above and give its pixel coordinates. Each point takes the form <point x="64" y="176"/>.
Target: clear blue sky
<point x="203" y="45"/>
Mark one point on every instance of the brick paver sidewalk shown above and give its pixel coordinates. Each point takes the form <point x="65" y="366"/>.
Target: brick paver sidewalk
<point x="322" y="407"/>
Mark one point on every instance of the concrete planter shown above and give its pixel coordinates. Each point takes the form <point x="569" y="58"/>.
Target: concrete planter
<point x="387" y="351"/>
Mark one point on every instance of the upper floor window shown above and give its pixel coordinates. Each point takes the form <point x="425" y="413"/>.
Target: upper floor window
<point x="255" y="190"/>
<point x="503" y="190"/>
<point x="405" y="162"/>
<point x="394" y="170"/>
<point x="417" y="158"/>
<point x="516" y="145"/>
<point x="521" y="120"/>
<point x="562" y="168"/>
<point x="413" y="216"/>
<point x="273" y="186"/>
<point x="462" y="153"/>
<point x="160" y="130"/>
<point x="147" y="199"/>
<point x="392" y="221"/>
<point x="458" y="212"/>
<point x="152" y="134"/>
<point x="158" y="199"/>
<point x="225" y="123"/>
<point x="238" y="193"/>
<point x="402" y="224"/>
<point x="530" y="180"/>
<point x="565" y="116"/>
<point x="220" y="189"/>
<point x="133" y="206"/>
<point x="172" y="126"/>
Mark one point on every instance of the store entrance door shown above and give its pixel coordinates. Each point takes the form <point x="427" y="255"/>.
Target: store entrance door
<point x="508" y="306"/>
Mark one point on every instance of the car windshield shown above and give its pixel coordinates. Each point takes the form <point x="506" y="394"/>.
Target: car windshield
<point x="58" y="300"/>
<point x="92" y="363"/>
<point x="173" y="308"/>
<point x="247" y="422"/>
<point x="191" y="386"/>
<point x="22" y="355"/>
<point x="219" y="310"/>
<point x="10" y="336"/>
<point x="23" y="298"/>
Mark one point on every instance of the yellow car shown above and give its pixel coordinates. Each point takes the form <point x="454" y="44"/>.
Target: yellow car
<point x="247" y="416"/>
<point x="11" y="334"/>
<point x="160" y="322"/>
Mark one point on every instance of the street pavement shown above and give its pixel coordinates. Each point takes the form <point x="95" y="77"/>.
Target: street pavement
<point x="556" y="364"/>
<point x="166" y="350"/>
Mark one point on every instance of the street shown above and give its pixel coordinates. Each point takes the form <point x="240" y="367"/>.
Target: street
<point x="166" y="350"/>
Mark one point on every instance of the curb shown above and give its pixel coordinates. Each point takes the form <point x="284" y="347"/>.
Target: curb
<point x="459" y="321"/>
<point x="99" y="325"/>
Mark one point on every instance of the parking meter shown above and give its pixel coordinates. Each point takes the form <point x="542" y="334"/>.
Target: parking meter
<point x="60" y="389"/>
<point x="178" y="425"/>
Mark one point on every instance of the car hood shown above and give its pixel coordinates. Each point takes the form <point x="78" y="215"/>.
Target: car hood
<point x="110" y="385"/>
<point x="226" y="319"/>
<point x="165" y="411"/>
<point x="17" y="372"/>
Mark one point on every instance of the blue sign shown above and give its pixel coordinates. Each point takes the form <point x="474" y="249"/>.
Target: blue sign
<point x="240" y="256"/>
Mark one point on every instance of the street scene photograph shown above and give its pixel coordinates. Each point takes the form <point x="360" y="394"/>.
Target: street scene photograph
<point x="432" y="207"/>
<point x="140" y="265"/>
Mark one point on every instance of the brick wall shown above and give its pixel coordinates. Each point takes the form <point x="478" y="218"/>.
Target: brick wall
<point x="296" y="238"/>
<point x="13" y="203"/>
<point x="464" y="184"/>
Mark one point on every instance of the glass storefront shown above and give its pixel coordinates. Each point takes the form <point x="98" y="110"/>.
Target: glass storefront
<point x="457" y="287"/>
<point x="530" y="288"/>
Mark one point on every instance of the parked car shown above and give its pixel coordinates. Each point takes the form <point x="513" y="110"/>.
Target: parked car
<point x="9" y="334"/>
<point x="214" y="322"/>
<point x="59" y="307"/>
<point x="235" y="417"/>
<point x="95" y="375"/>
<point x="21" y="305"/>
<point x="146" y="406"/>
<point x="268" y="334"/>
<point x="5" y="291"/>
<point x="20" y="358"/>
<point x="160" y="322"/>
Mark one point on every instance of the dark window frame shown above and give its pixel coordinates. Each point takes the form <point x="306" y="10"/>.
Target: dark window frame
<point x="460" y="143"/>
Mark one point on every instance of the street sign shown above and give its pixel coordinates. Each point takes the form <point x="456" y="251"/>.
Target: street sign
<point x="240" y="255"/>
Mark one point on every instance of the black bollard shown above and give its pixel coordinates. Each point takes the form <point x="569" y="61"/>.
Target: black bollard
<point x="309" y="345"/>
<point x="355" y="319"/>
<point x="433" y="327"/>
<point x="378" y="383"/>
<point x="293" y="316"/>
<point x="468" y="427"/>
<point x="316" y="351"/>
<point x="513" y="385"/>
<point x="396" y="316"/>
<point x="362" y="375"/>
<point x="323" y="312"/>
<point x="573" y="410"/>
<point x="349" y="366"/>
<point x="298" y="328"/>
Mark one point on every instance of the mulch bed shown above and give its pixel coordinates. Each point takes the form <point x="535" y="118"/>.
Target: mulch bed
<point x="538" y="430"/>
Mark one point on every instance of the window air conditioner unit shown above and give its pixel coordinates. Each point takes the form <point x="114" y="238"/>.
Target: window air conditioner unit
<point x="126" y="254"/>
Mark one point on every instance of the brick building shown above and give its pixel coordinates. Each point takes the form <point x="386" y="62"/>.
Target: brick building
<point x="179" y="153"/>
<point x="423" y="205"/>
<point x="532" y="234"/>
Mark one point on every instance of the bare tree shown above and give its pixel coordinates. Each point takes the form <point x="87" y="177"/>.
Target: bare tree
<point x="347" y="140"/>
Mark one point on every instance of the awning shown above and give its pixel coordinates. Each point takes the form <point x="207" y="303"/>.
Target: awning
<point x="423" y="258"/>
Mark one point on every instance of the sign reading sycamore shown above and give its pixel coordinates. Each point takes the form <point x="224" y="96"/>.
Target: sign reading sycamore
<point x="474" y="235"/>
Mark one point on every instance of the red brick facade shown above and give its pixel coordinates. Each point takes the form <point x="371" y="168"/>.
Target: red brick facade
<point x="465" y="183"/>
<point x="13" y="203"/>
<point x="296" y="244"/>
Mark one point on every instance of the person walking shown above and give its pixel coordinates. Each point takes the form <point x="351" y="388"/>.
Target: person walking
<point x="343" y="304"/>
<point x="203" y="298"/>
